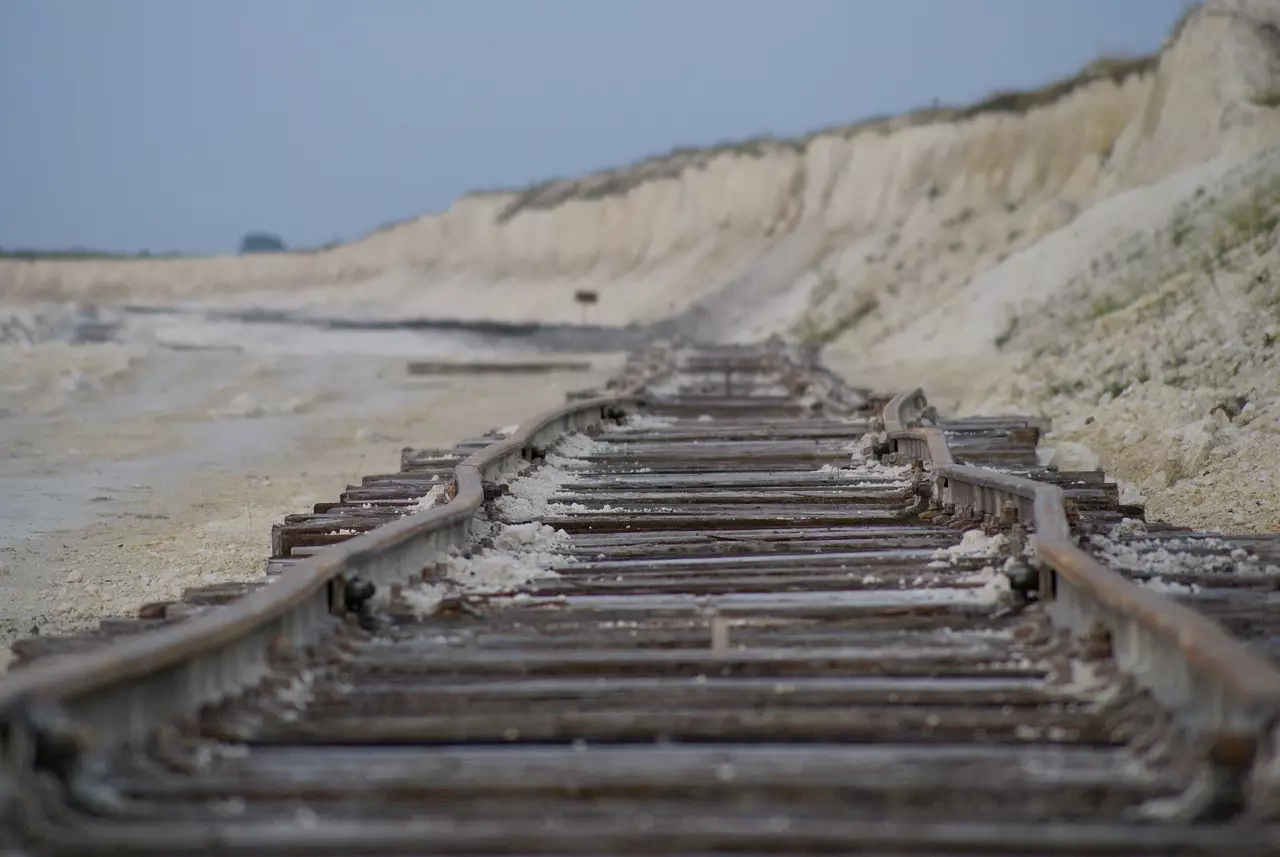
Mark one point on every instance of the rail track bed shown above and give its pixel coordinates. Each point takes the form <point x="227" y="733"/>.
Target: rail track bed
<point x="738" y="608"/>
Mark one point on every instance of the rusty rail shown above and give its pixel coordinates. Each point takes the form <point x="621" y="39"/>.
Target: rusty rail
<point x="1187" y="661"/>
<point x="121" y="693"/>
<point x="448" y="702"/>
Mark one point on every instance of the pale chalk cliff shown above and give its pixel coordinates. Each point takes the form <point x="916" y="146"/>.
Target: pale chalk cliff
<point x="965" y="249"/>
<point x="656" y="237"/>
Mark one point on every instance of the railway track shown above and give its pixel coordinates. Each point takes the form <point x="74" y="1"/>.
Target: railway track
<point x="730" y="606"/>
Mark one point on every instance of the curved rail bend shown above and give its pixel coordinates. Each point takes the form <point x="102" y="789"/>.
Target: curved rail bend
<point x="1187" y="661"/>
<point x="122" y="692"/>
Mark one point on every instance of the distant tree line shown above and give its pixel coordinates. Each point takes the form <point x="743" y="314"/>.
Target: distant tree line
<point x="252" y="242"/>
<point x="261" y="242"/>
<point x="77" y="253"/>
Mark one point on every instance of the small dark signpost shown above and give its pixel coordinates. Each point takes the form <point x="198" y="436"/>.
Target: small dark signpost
<point x="586" y="298"/>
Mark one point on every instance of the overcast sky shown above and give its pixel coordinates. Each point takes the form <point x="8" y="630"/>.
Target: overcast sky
<point x="181" y="124"/>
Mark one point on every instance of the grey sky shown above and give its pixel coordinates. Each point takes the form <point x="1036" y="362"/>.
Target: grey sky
<point x="182" y="124"/>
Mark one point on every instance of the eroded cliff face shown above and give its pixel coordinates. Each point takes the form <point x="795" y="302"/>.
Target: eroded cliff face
<point x="842" y="235"/>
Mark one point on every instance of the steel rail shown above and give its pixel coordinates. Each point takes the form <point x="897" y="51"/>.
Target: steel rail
<point x="1187" y="661"/>
<point x="123" y="691"/>
<point x="442" y="697"/>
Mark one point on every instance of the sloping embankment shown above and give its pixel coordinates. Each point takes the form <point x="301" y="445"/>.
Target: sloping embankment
<point x="847" y="222"/>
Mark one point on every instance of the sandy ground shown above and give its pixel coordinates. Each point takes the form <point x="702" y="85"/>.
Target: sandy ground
<point x="1088" y="280"/>
<point x="129" y="472"/>
<point x="1147" y="331"/>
